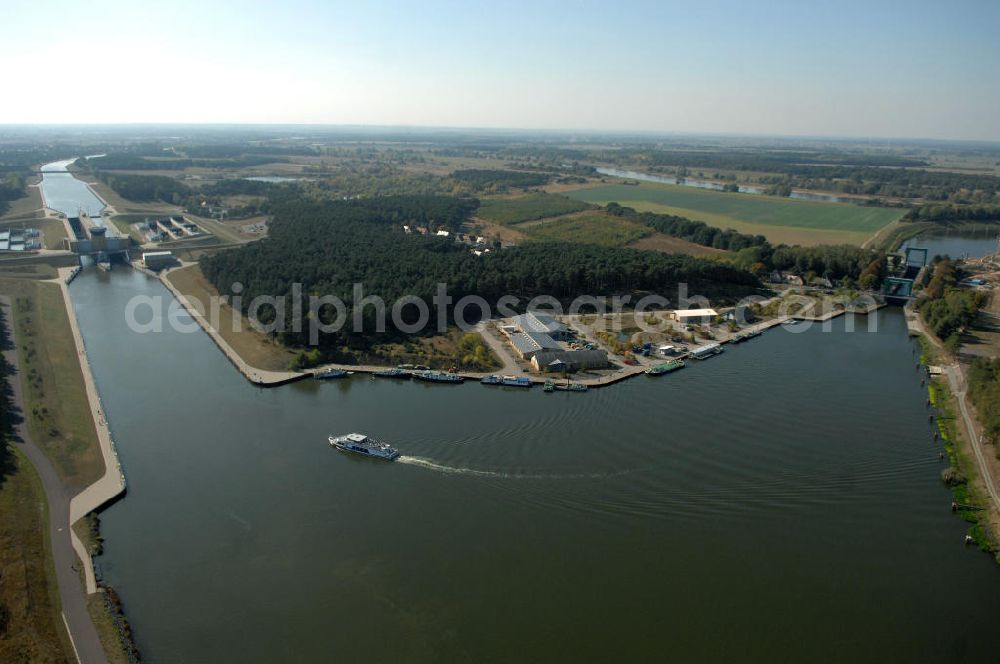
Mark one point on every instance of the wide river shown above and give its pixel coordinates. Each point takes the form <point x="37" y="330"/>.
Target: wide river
<point x="715" y="186"/>
<point x="780" y="502"/>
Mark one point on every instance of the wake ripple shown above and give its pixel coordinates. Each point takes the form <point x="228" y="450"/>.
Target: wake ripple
<point x="460" y="470"/>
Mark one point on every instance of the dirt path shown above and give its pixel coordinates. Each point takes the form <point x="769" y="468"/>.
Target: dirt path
<point x="82" y="632"/>
<point x="499" y="349"/>
<point x="956" y="378"/>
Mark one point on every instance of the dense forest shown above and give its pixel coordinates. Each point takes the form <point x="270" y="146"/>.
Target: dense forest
<point x="499" y="180"/>
<point x="146" y="187"/>
<point x="954" y="213"/>
<point x="946" y="309"/>
<point x="11" y="188"/>
<point x="329" y="246"/>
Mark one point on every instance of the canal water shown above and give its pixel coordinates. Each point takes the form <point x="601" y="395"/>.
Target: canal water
<point x="956" y="245"/>
<point x="781" y="501"/>
<point x="64" y="193"/>
<point x="715" y="186"/>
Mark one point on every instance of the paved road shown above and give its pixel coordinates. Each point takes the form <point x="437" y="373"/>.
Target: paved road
<point x="74" y="605"/>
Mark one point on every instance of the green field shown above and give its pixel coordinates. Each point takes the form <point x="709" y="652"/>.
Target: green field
<point x="510" y="211"/>
<point x="57" y="408"/>
<point x="594" y="228"/>
<point x="32" y="626"/>
<point x="778" y="219"/>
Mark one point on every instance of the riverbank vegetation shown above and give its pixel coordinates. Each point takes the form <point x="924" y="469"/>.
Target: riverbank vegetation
<point x="465" y="351"/>
<point x="946" y="309"/>
<point x="961" y="475"/>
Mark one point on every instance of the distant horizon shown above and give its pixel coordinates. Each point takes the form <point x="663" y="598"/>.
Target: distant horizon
<point x="634" y="133"/>
<point x="850" y="69"/>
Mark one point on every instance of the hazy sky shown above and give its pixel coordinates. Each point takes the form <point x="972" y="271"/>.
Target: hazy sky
<point x="873" y="68"/>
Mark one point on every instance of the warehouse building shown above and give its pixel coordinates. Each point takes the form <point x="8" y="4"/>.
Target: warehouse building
<point x="555" y="361"/>
<point x="693" y="316"/>
<point x="155" y="260"/>
<point x="533" y="332"/>
<point x="542" y="323"/>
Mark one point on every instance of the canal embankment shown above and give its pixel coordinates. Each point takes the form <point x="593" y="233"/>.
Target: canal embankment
<point x="112" y="483"/>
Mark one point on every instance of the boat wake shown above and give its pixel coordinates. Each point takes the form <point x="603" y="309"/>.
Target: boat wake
<point x="452" y="470"/>
<point x="459" y="470"/>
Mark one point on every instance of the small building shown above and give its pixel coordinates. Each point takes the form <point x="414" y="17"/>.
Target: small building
<point x="741" y="314"/>
<point x="668" y="349"/>
<point x="693" y="316"/>
<point x="155" y="260"/>
<point x="821" y="282"/>
<point x="568" y="360"/>
<point x="443" y="233"/>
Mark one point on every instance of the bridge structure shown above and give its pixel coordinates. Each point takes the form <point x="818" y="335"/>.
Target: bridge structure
<point x="96" y="241"/>
<point x="898" y="287"/>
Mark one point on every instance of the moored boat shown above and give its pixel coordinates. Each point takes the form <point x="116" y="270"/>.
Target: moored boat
<point x="491" y="380"/>
<point x="365" y="446"/>
<point x="549" y="386"/>
<point x="516" y="381"/>
<point x="571" y="387"/>
<point x="395" y="372"/>
<point x="437" y="376"/>
<point x="332" y="373"/>
<point x="706" y="351"/>
<point x="665" y="367"/>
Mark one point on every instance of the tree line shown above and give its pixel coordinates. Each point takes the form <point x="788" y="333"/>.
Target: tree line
<point x="124" y="161"/>
<point x="954" y="213"/>
<point x="687" y="229"/>
<point x="499" y="180"/>
<point x="947" y="309"/>
<point x="756" y="254"/>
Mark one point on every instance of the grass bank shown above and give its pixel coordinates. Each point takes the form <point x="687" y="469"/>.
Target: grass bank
<point x="961" y="475"/>
<point x="31" y="628"/>
<point x="255" y="348"/>
<point x="56" y="406"/>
